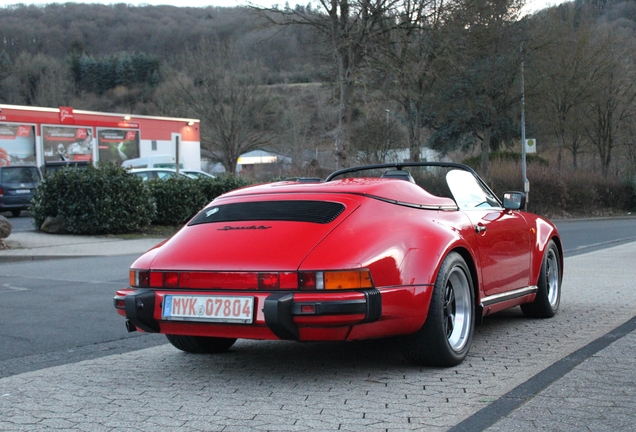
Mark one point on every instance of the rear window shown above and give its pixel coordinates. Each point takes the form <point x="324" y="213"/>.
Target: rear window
<point x="20" y="175"/>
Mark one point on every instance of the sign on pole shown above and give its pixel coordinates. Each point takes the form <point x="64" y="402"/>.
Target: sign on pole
<point x="531" y="145"/>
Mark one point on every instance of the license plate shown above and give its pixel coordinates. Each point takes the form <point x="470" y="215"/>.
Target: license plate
<point x="21" y="191"/>
<point x="229" y="309"/>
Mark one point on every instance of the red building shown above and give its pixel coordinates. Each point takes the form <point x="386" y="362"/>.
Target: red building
<point x="37" y="136"/>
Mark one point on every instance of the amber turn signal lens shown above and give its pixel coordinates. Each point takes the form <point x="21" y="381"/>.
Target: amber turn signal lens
<point x="348" y="280"/>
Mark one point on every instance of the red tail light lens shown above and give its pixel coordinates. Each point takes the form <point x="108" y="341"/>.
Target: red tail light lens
<point x="171" y="280"/>
<point x="268" y="281"/>
<point x="310" y="281"/>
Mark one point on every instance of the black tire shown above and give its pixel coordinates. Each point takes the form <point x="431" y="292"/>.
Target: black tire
<point x="546" y="303"/>
<point x="16" y="213"/>
<point x="201" y="344"/>
<point x="447" y="333"/>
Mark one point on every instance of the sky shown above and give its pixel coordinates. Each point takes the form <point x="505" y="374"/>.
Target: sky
<point x="531" y="5"/>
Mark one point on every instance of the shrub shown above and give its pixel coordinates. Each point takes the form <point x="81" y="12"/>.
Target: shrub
<point x="213" y="187"/>
<point x="564" y="194"/>
<point x="103" y="200"/>
<point x="178" y="199"/>
<point x="614" y="193"/>
<point x="506" y="157"/>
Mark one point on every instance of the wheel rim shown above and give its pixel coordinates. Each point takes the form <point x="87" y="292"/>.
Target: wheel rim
<point x="457" y="309"/>
<point x="552" y="277"/>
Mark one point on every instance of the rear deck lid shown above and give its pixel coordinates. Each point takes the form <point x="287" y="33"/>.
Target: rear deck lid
<point x="253" y="235"/>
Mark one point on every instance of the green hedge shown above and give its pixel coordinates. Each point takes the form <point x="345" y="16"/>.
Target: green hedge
<point x="108" y="200"/>
<point x="213" y="187"/>
<point x="180" y="199"/>
<point x="103" y="200"/>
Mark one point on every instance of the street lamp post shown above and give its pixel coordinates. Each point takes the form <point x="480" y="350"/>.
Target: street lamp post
<point x="526" y="183"/>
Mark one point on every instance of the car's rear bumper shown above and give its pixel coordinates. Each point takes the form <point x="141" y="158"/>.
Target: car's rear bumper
<point x="289" y="315"/>
<point x="15" y="202"/>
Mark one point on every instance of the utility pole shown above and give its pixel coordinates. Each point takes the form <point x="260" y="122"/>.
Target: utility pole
<point x="177" y="151"/>
<point x="526" y="183"/>
<point x="387" y="129"/>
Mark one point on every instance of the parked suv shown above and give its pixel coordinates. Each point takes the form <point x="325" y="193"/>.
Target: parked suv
<point x="17" y="185"/>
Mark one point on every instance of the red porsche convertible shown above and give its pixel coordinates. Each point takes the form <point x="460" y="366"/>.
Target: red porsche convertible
<point x="422" y="251"/>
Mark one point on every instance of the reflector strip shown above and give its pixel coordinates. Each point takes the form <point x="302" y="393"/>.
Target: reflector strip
<point x="227" y="280"/>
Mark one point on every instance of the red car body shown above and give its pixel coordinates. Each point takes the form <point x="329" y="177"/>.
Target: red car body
<point x="345" y="259"/>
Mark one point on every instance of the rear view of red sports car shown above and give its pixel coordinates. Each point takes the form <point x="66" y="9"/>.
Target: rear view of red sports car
<point x="417" y="250"/>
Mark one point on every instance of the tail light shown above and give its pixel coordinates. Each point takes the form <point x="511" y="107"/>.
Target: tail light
<point x="139" y="278"/>
<point x="1" y="192"/>
<point x="266" y="281"/>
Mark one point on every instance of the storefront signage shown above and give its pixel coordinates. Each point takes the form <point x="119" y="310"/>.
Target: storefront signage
<point x="117" y="145"/>
<point x="64" y="143"/>
<point x="66" y="115"/>
<point x="17" y="144"/>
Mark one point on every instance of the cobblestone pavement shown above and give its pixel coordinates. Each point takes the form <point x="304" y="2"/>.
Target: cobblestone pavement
<point x="288" y="386"/>
<point x="598" y="395"/>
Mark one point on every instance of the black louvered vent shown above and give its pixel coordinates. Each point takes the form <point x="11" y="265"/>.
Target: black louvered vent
<point x="295" y="211"/>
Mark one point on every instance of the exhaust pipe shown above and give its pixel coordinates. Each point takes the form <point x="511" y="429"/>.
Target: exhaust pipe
<point x="130" y="327"/>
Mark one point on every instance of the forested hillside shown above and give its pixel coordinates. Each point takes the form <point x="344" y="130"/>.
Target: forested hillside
<point x="362" y="82"/>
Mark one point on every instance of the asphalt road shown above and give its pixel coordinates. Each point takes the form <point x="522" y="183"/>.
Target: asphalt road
<point x="579" y="235"/>
<point x="60" y="311"/>
<point x="587" y="235"/>
<point x="22" y="223"/>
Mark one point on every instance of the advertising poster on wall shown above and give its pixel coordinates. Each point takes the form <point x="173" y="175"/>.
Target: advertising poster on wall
<point x="117" y="145"/>
<point x="67" y="143"/>
<point x="17" y="144"/>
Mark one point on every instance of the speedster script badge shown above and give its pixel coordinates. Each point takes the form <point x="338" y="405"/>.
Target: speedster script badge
<point x="251" y="227"/>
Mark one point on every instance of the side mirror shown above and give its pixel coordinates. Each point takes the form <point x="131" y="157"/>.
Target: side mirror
<point x="514" y="200"/>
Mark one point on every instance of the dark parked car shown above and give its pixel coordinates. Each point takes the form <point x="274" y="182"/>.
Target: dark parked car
<point x="17" y="184"/>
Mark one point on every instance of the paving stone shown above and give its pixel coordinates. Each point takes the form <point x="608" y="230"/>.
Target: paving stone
<point x="360" y="385"/>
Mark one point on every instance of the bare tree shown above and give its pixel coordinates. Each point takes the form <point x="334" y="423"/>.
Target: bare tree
<point x="377" y="138"/>
<point x="613" y="105"/>
<point x="36" y="80"/>
<point x="409" y="59"/>
<point x="227" y="94"/>
<point x="347" y="27"/>
<point x="565" y="71"/>
<point x="480" y="93"/>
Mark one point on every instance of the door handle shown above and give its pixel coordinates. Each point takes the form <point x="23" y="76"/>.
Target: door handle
<point x="479" y="229"/>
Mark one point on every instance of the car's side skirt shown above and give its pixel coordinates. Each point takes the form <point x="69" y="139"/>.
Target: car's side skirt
<point x="490" y="304"/>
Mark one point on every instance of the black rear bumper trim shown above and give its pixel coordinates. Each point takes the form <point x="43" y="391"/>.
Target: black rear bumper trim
<point x="279" y="310"/>
<point x="140" y="306"/>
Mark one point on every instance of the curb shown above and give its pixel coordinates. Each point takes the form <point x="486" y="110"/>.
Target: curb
<point x="22" y="258"/>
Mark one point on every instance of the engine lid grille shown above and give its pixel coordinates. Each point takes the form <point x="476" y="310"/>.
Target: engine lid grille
<point x="321" y="212"/>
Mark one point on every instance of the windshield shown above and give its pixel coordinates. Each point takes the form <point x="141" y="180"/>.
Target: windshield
<point x="448" y="180"/>
<point x="468" y="192"/>
<point x="20" y="175"/>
